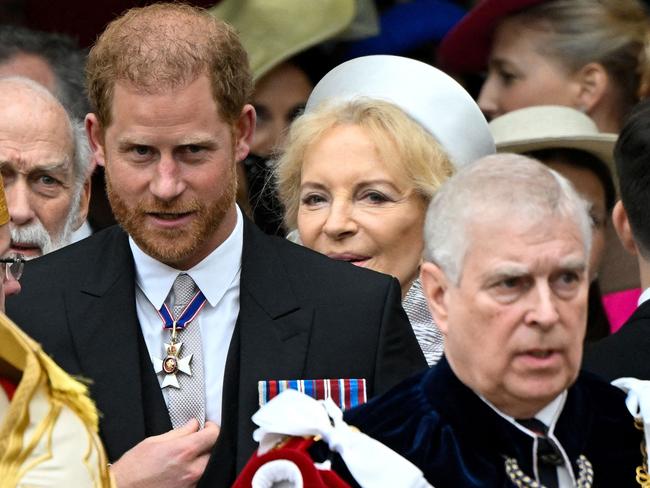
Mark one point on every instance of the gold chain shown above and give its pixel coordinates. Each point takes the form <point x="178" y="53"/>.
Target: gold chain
<point x="642" y="471"/>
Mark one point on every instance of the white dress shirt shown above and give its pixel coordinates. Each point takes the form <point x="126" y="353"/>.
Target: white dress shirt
<point x="217" y="276"/>
<point x="643" y="297"/>
<point x="82" y="232"/>
<point x="549" y="416"/>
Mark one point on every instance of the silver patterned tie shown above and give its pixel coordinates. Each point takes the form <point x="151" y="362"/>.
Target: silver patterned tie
<point x="188" y="401"/>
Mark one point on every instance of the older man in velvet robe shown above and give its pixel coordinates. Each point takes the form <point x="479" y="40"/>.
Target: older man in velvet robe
<point x="506" y="279"/>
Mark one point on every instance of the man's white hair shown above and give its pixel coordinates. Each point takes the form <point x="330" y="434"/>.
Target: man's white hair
<point x="501" y="186"/>
<point x="81" y="149"/>
<point x="81" y="167"/>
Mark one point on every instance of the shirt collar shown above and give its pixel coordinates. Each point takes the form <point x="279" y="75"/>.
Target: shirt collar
<point x="549" y="414"/>
<point x="155" y="279"/>
<point x="645" y="296"/>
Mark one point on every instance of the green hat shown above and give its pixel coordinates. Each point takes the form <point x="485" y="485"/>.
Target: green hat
<point x="272" y="31"/>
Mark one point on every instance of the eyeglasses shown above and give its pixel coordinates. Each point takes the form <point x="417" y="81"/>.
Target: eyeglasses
<point x="12" y="268"/>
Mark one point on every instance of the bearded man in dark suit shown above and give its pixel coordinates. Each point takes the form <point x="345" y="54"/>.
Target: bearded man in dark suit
<point x="180" y="315"/>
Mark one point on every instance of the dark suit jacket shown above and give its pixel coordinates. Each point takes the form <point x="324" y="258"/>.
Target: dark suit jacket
<point x="301" y="315"/>
<point x="625" y="353"/>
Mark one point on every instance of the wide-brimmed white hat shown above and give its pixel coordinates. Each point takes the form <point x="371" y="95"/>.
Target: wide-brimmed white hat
<point x="432" y="98"/>
<point x="552" y="127"/>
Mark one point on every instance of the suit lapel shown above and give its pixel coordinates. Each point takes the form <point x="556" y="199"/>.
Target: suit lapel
<point x="105" y="328"/>
<point x="642" y="313"/>
<point x="270" y="341"/>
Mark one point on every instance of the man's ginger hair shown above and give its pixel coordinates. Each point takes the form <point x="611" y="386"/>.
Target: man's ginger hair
<point x="169" y="45"/>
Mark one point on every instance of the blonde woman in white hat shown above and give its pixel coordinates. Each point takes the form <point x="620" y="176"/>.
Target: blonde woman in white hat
<point x="380" y="134"/>
<point x="569" y="142"/>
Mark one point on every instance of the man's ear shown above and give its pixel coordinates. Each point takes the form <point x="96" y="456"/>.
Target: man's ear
<point x="244" y="131"/>
<point x="436" y="288"/>
<point x="623" y="229"/>
<point x="84" y="202"/>
<point x="95" y="138"/>
<point x="592" y="82"/>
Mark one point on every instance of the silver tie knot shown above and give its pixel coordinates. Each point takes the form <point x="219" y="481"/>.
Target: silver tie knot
<point x="183" y="290"/>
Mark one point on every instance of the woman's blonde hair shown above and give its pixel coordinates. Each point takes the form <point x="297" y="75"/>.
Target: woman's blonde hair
<point x="614" y="33"/>
<point x="401" y="143"/>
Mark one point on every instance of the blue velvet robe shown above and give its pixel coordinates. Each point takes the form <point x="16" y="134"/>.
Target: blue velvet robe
<point x="457" y="440"/>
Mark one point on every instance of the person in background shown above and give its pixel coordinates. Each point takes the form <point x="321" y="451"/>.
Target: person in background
<point x="569" y="142"/>
<point x="283" y="40"/>
<point x="53" y="60"/>
<point x="585" y="54"/>
<point x="58" y="63"/>
<point x="46" y="166"/>
<point x="360" y="166"/>
<point x="506" y="275"/>
<point x="170" y="84"/>
<point x="48" y="425"/>
<point x="626" y="352"/>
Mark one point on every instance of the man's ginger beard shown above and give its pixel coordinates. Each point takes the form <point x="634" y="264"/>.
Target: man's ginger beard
<point x="172" y="246"/>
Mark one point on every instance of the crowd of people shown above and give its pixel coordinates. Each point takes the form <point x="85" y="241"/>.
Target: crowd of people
<point x="334" y="264"/>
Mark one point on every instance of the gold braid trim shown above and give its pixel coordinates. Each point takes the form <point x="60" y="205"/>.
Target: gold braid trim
<point x="39" y="371"/>
<point x="4" y="211"/>
<point x="642" y="471"/>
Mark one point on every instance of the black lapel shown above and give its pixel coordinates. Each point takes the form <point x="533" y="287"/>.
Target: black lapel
<point x="270" y="342"/>
<point x="642" y="313"/>
<point x="106" y="334"/>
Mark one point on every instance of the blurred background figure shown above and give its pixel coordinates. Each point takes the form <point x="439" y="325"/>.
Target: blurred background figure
<point x="53" y="60"/>
<point x="280" y="96"/>
<point x="46" y="167"/>
<point x="569" y="142"/>
<point x="57" y="62"/>
<point x="380" y="134"/>
<point x="626" y="353"/>
<point x="580" y="53"/>
<point x="588" y="55"/>
<point x="280" y="38"/>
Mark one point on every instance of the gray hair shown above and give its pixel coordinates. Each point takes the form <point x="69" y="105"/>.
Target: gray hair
<point x="66" y="60"/>
<point x="81" y="154"/>
<point x="503" y="186"/>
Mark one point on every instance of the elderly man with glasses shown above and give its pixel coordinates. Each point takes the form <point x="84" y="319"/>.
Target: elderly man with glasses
<point x="48" y="425"/>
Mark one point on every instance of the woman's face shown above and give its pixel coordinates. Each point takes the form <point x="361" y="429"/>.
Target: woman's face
<point x="519" y="76"/>
<point x="279" y="97"/>
<point x="354" y="208"/>
<point x="588" y="185"/>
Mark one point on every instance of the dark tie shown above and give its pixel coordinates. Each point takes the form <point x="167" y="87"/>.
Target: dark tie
<point x="549" y="456"/>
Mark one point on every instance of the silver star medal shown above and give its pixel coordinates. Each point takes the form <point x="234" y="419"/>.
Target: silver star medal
<point x="171" y="364"/>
